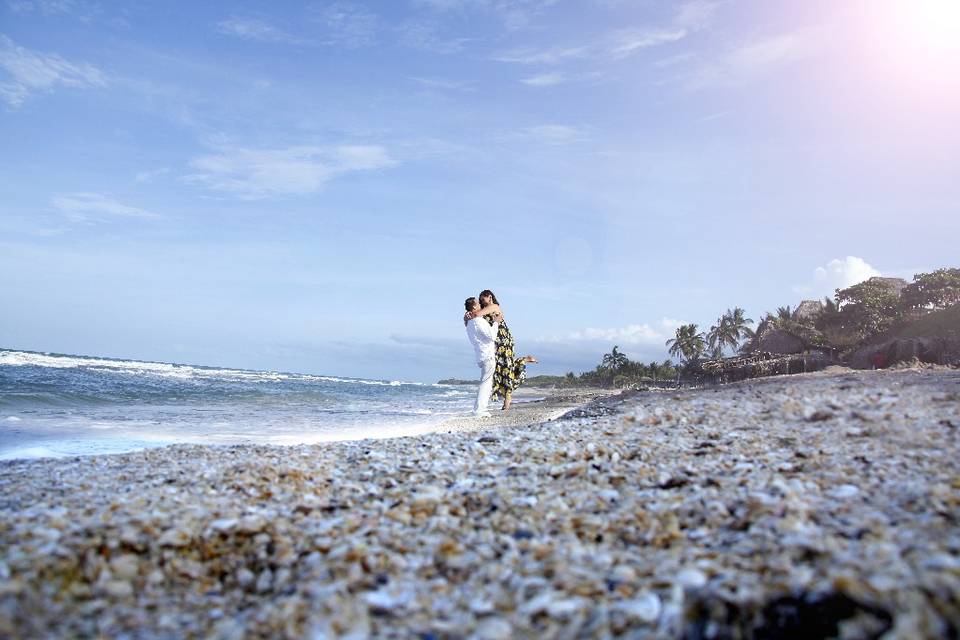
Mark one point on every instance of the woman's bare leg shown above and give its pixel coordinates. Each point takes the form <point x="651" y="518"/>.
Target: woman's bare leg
<point x="529" y="359"/>
<point x="506" y="400"/>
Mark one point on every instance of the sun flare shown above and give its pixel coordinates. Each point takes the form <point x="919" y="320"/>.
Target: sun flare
<point x="932" y="25"/>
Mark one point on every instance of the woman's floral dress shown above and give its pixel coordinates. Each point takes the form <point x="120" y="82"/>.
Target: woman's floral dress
<point x="510" y="372"/>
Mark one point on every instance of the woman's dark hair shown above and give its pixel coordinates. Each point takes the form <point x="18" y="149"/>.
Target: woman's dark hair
<point x="468" y="303"/>
<point x="487" y="292"/>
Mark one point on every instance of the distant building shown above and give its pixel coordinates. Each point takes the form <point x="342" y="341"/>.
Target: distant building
<point x="807" y="311"/>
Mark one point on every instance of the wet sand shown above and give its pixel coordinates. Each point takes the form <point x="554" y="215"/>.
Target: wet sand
<point x="531" y="406"/>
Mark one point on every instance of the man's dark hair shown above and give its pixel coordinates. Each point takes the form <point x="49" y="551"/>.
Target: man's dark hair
<point x="468" y="303"/>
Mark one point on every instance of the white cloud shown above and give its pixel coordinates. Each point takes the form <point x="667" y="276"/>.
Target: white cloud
<point x="301" y="170"/>
<point x="440" y="83"/>
<point x="626" y="42"/>
<point x="696" y="15"/>
<point x="555" y="133"/>
<point x="757" y="58"/>
<point x="83" y="10"/>
<point x="94" y="207"/>
<point x="839" y="273"/>
<point x="515" y="14"/>
<point x="621" y="43"/>
<point x="30" y="72"/>
<point x="429" y="35"/>
<point x="259" y="31"/>
<point x="533" y="56"/>
<point x="545" y="79"/>
<point x="349" y="24"/>
<point x="150" y="176"/>
<point x="634" y="334"/>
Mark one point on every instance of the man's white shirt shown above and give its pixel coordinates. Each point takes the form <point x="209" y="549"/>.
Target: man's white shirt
<point x="482" y="336"/>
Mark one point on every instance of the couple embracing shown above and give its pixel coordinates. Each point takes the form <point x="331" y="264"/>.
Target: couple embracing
<point x="500" y="372"/>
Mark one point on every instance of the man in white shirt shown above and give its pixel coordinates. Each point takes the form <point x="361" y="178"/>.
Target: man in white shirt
<point x="482" y="336"/>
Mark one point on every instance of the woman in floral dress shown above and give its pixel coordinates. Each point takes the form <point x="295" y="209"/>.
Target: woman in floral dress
<point x="510" y="371"/>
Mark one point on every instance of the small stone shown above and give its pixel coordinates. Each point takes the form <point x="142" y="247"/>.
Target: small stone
<point x="251" y="524"/>
<point x="118" y="588"/>
<point x="174" y="538"/>
<point x="383" y="601"/>
<point x="564" y="608"/>
<point x="224" y="525"/>
<point x="610" y="496"/>
<point x="646" y="608"/>
<point x="245" y="577"/>
<point x="126" y="567"/>
<point x="844" y="491"/>
<point x="265" y="581"/>
<point x="494" y="629"/>
<point x="691" y="578"/>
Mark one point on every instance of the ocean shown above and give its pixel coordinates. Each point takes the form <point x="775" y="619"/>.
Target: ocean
<point x="55" y="405"/>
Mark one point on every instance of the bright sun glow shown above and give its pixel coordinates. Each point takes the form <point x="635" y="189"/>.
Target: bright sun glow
<point x="932" y="25"/>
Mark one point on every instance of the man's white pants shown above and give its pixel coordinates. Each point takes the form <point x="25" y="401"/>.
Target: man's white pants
<point x="486" y="386"/>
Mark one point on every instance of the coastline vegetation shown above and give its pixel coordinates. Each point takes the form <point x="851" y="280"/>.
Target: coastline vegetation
<point x="857" y="315"/>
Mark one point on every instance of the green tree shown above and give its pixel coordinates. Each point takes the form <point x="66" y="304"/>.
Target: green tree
<point x="829" y="316"/>
<point x="737" y="326"/>
<point x="688" y="343"/>
<point x="730" y="328"/>
<point x="666" y="370"/>
<point x="716" y="337"/>
<point x="783" y="318"/>
<point x="869" y="307"/>
<point x="932" y="291"/>
<point x="615" y="361"/>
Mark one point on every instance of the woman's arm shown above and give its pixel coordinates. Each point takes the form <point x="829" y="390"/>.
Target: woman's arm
<point x="488" y="310"/>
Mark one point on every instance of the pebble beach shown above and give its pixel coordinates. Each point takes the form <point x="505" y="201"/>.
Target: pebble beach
<point x="814" y="505"/>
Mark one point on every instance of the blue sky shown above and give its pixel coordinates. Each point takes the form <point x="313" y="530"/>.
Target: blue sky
<point x="316" y="187"/>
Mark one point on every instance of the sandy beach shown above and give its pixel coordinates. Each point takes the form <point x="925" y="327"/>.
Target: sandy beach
<point x="814" y="505"/>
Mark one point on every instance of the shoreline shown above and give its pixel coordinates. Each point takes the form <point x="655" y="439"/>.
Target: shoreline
<point x="816" y="501"/>
<point x="532" y="405"/>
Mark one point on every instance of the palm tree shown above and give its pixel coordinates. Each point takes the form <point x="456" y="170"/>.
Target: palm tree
<point x="653" y="370"/>
<point x="615" y="360"/>
<point x="738" y="329"/>
<point x="688" y="344"/>
<point x="783" y="318"/>
<point x="716" y="337"/>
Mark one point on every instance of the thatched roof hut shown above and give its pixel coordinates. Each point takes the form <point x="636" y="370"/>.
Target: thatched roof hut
<point x="807" y="311"/>
<point x="780" y="341"/>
